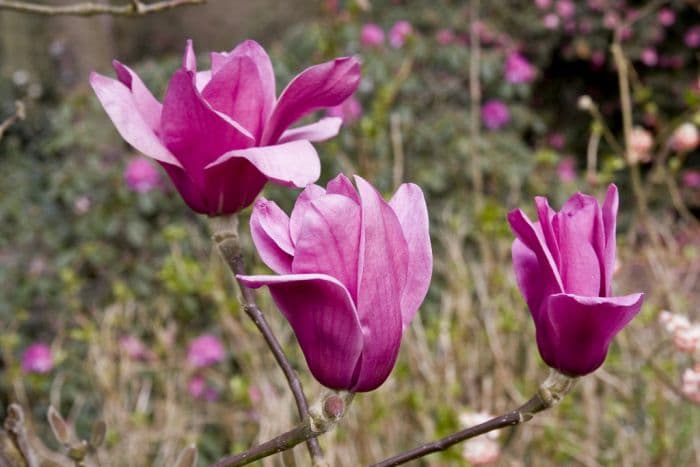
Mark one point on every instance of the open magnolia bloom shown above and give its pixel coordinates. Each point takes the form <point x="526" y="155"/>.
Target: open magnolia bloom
<point x="564" y="266"/>
<point x="221" y="134"/>
<point x="353" y="271"/>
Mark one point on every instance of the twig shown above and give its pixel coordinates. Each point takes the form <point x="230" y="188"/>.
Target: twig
<point x="323" y="417"/>
<point x="228" y="242"/>
<point x="133" y="8"/>
<point x="12" y="119"/>
<point x="549" y="394"/>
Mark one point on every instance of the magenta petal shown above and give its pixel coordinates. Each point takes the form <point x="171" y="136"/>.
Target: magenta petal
<point x="324" y="129"/>
<point x="329" y="240"/>
<point x="341" y="185"/>
<point x="189" y="59"/>
<point x="301" y="205"/>
<point x="266" y="75"/>
<point x="269" y="227"/>
<point x="533" y="239"/>
<point x="383" y="264"/>
<point x="236" y="90"/>
<point x="201" y="79"/>
<point x="319" y="86"/>
<point x="147" y="105"/>
<point x="409" y="205"/>
<point x="610" y="206"/>
<point x="292" y="164"/>
<point x="528" y="275"/>
<point x="547" y="216"/>
<point x="576" y="331"/>
<point x="323" y="317"/>
<point x="119" y="103"/>
<point x="581" y="245"/>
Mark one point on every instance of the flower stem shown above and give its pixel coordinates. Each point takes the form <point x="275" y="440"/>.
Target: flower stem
<point x="228" y="242"/>
<point x="550" y="393"/>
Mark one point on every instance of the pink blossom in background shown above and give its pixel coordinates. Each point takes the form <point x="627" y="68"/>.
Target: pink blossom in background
<point x="349" y="111"/>
<point x="201" y="390"/>
<point x="399" y="32"/>
<point x="445" y="36"/>
<point x="673" y="322"/>
<point x="611" y="20"/>
<point x="141" y="175"/>
<point x="625" y="32"/>
<point x="687" y="339"/>
<point x="666" y="17"/>
<point x="543" y="4"/>
<point x="641" y="142"/>
<point x="222" y="133"/>
<point x="649" y="56"/>
<point x="596" y="5"/>
<point x="371" y="35"/>
<point x="566" y="170"/>
<point x="566" y="8"/>
<point x="557" y="140"/>
<point x="690" y="383"/>
<point x="518" y="69"/>
<point x="495" y="114"/>
<point x="551" y="21"/>
<point x="205" y="350"/>
<point x="82" y="205"/>
<point x="691" y="178"/>
<point x="37" y="358"/>
<point x="692" y="37"/>
<point x="484" y="449"/>
<point x="685" y="138"/>
<point x="597" y="58"/>
<point x="134" y="348"/>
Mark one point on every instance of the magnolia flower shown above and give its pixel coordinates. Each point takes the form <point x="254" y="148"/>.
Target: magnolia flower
<point x="349" y="111"/>
<point x="141" y="176"/>
<point x="221" y="134"/>
<point x="353" y="271"/>
<point x="685" y="138"/>
<point x="205" y="350"/>
<point x="371" y="35"/>
<point x="495" y="114"/>
<point x="518" y="69"/>
<point x="37" y="358"/>
<point x="564" y="266"/>
<point x="399" y="33"/>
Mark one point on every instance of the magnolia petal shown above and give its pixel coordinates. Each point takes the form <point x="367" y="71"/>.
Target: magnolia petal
<point x="324" y="319"/>
<point x="301" y="205"/>
<point x="547" y="216"/>
<point x="409" y="205"/>
<point x="119" y="103"/>
<point x="528" y="276"/>
<point x="147" y="105"/>
<point x="319" y="86"/>
<point x="266" y="74"/>
<point x="324" y="129"/>
<point x="576" y="331"/>
<point x="329" y="240"/>
<point x="201" y="79"/>
<point x="382" y="270"/>
<point x="189" y="191"/>
<point x="341" y="185"/>
<point x="269" y="227"/>
<point x="610" y="206"/>
<point x="189" y="59"/>
<point x="293" y="164"/>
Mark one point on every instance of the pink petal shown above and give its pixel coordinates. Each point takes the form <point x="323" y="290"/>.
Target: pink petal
<point x="324" y="129"/>
<point x="147" y="105"/>
<point x="236" y="91"/>
<point x="409" y="205"/>
<point x="201" y="79"/>
<point x="269" y="227"/>
<point x="528" y="275"/>
<point x="323" y="317"/>
<point x="119" y="103"/>
<point x="301" y="205"/>
<point x="383" y="264"/>
<point x="341" y="185"/>
<point x="189" y="191"/>
<point x="546" y="216"/>
<point x="189" y="59"/>
<point x="576" y="336"/>
<point x="610" y="206"/>
<point x="292" y="164"/>
<point x="319" y="86"/>
<point x="266" y="74"/>
<point x="329" y="239"/>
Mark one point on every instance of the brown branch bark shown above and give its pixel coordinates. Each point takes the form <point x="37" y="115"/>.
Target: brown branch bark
<point x="133" y="8"/>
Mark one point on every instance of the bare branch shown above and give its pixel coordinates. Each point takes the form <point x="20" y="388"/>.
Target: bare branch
<point x="133" y="8"/>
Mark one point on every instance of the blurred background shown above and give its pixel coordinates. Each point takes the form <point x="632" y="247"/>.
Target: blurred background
<point x="111" y="290"/>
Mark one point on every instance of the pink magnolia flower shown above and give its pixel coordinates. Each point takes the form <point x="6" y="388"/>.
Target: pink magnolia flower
<point x="37" y="358"/>
<point x="495" y="114"/>
<point x="691" y="178"/>
<point x="692" y="37"/>
<point x="371" y="35"/>
<point x="141" y="175"/>
<point x="349" y="111"/>
<point x="685" y="138"/>
<point x="445" y="36"/>
<point x="666" y="17"/>
<point x="353" y="271"/>
<point x="220" y="134"/>
<point x="563" y="266"/>
<point x="566" y="170"/>
<point x="205" y="350"/>
<point x="399" y="33"/>
<point x="641" y="143"/>
<point x="200" y="389"/>
<point x="518" y="69"/>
